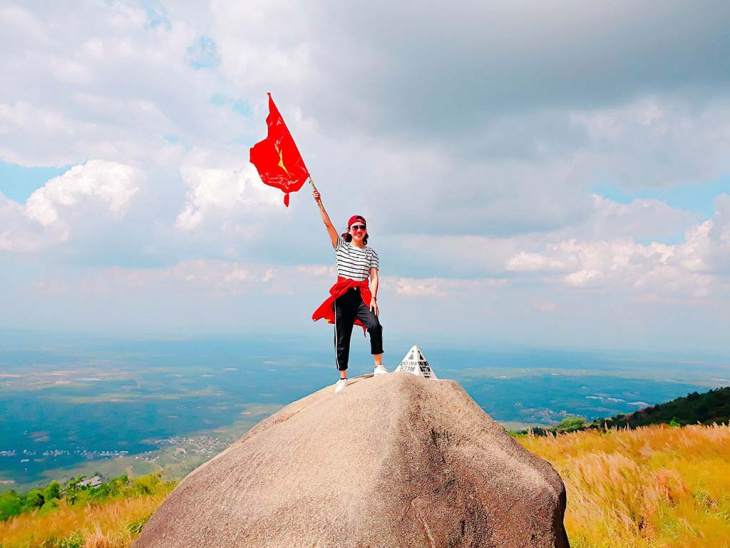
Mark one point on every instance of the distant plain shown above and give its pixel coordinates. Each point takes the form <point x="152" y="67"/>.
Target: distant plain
<point x="71" y="404"/>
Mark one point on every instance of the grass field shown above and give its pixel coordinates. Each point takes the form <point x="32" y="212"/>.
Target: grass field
<point x="651" y="487"/>
<point x="113" y="522"/>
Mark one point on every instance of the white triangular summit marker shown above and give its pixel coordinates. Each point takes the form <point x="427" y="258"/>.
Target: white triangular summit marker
<point x="415" y="363"/>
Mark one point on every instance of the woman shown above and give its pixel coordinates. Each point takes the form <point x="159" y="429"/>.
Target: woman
<point x="352" y="301"/>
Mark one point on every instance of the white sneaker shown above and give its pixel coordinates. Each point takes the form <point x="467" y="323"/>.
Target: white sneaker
<point x="340" y="385"/>
<point x="380" y="370"/>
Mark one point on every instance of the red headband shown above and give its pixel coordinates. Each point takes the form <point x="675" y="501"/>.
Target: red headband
<point x="356" y="218"/>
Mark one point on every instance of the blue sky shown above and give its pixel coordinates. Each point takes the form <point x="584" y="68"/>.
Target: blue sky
<point x="19" y="182"/>
<point x="532" y="174"/>
<point x="692" y="196"/>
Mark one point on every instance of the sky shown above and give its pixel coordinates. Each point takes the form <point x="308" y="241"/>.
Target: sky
<point x="537" y="174"/>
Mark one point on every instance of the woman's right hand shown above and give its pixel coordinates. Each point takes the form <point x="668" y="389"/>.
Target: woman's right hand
<point x="317" y="195"/>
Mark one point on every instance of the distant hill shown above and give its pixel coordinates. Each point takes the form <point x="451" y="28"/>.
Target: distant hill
<point x="707" y="408"/>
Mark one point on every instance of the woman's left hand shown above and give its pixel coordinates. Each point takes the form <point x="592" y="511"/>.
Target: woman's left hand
<point x="374" y="306"/>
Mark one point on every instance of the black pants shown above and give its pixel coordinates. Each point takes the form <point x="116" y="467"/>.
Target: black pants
<point x="347" y="308"/>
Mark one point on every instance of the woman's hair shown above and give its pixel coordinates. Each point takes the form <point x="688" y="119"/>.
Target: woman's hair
<point x="348" y="237"/>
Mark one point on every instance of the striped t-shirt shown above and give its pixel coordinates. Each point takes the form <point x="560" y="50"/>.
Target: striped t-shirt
<point x="355" y="263"/>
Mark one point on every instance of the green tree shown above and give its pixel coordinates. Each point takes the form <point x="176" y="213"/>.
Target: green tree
<point x="73" y="489"/>
<point x="571" y="424"/>
<point x="147" y="485"/>
<point x="48" y="506"/>
<point x="10" y="505"/>
<point x="52" y="491"/>
<point x="34" y="499"/>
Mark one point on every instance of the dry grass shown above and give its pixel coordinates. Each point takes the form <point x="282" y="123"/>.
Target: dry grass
<point x="646" y="488"/>
<point x="110" y="524"/>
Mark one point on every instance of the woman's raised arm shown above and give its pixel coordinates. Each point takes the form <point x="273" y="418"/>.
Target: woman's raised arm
<point x="331" y="230"/>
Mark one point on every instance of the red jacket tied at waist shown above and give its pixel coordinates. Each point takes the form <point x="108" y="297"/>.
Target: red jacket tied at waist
<point x="327" y="309"/>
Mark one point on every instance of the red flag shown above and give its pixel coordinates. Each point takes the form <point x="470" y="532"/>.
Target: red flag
<point x="277" y="158"/>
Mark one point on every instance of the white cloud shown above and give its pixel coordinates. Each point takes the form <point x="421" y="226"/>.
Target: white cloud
<point x="267" y="45"/>
<point x="484" y="151"/>
<point x="439" y="287"/>
<point x="468" y="142"/>
<point x="17" y="233"/>
<point x="22" y="25"/>
<point x="435" y="72"/>
<point x="467" y="255"/>
<point x="418" y="288"/>
<point x="85" y="198"/>
<point x="111" y="185"/>
<point x="317" y="271"/>
<point x="544" y="306"/>
<point x="236" y="278"/>
<point x="655" y="268"/>
<point x="719" y="237"/>
<point x="656" y="141"/>
<point x="224" y="196"/>
<point x="104" y="81"/>
<point x="269" y="275"/>
<point x="226" y="277"/>
<point x="463" y="257"/>
<point x="638" y="219"/>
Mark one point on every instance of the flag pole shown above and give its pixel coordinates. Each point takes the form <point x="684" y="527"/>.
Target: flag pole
<point x="319" y="202"/>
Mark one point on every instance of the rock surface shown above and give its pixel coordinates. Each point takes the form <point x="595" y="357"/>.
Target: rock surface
<point x="392" y="460"/>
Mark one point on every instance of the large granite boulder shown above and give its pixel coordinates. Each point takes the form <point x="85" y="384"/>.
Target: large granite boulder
<point x="390" y="461"/>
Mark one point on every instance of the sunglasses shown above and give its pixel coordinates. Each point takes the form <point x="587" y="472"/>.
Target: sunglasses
<point x="357" y="227"/>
